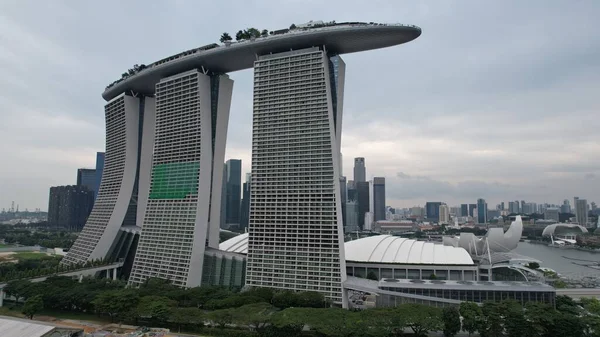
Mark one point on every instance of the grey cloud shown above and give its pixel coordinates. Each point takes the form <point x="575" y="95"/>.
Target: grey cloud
<point x="494" y="100"/>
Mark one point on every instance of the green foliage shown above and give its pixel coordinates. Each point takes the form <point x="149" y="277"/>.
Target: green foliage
<point x="155" y="308"/>
<point x="225" y="37"/>
<point x="490" y="324"/>
<point x="451" y="319"/>
<point x="309" y="299"/>
<point x="533" y="265"/>
<point x="32" y="306"/>
<point x="117" y="303"/>
<point x="471" y="314"/>
<point x="221" y="318"/>
<point x="421" y="318"/>
<point x="256" y="316"/>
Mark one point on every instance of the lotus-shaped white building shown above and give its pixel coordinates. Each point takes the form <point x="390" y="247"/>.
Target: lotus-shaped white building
<point x="495" y="240"/>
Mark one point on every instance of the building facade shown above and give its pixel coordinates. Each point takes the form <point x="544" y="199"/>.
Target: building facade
<point x="295" y="231"/>
<point x="245" y="203"/>
<point x="363" y="199"/>
<point x="192" y="112"/>
<point x="481" y="211"/>
<point x="444" y="214"/>
<point x="233" y="186"/>
<point x="69" y="206"/>
<point x="432" y="210"/>
<point x="379" y="198"/>
<point x="87" y="179"/>
<point x="464" y="210"/>
<point x="360" y="170"/>
<point x="116" y="204"/>
<point x="581" y="212"/>
<point x="99" y="169"/>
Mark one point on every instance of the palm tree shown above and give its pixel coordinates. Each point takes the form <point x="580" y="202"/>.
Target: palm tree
<point x="225" y="37"/>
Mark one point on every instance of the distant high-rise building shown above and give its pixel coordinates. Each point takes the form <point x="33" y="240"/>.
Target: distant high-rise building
<point x="87" y="178"/>
<point x="581" y="211"/>
<point x="360" y="170"/>
<point x="418" y="212"/>
<point x="464" y="210"/>
<point x="444" y="214"/>
<point x="502" y="205"/>
<point x="351" y="191"/>
<point x="69" y="206"/>
<point x="99" y="170"/>
<point x="522" y="207"/>
<point x="368" y="221"/>
<point x="481" y="211"/>
<point x="233" y="183"/>
<point x="245" y="204"/>
<point x="472" y="209"/>
<point x="223" y="204"/>
<point x="432" y="210"/>
<point x="378" y="198"/>
<point x="551" y="213"/>
<point x="344" y="195"/>
<point x="363" y="199"/>
<point x="351" y="216"/>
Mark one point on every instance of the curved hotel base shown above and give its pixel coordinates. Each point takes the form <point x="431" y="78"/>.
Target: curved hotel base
<point x="166" y="127"/>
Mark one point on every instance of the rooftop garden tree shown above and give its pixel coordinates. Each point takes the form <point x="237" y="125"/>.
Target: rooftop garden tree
<point x="225" y="37"/>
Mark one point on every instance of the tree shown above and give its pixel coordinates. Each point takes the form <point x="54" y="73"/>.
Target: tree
<point x="32" y="306"/>
<point x="257" y="315"/>
<point x="264" y="33"/>
<point x="186" y="316"/>
<point x="372" y="276"/>
<point x="491" y="323"/>
<point x="470" y="313"/>
<point x="221" y="318"/>
<point x="533" y="265"/>
<point x="421" y="318"/>
<point x="292" y="26"/>
<point x="239" y="35"/>
<point x="17" y="288"/>
<point x="451" y="319"/>
<point x="116" y="303"/>
<point x="252" y="32"/>
<point x="515" y="323"/>
<point x="157" y="308"/>
<point x="225" y="37"/>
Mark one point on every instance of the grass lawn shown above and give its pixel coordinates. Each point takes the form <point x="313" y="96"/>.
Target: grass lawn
<point x="16" y="312"/>
<point x="29" y="256"/>
<point x="6" y="245"/>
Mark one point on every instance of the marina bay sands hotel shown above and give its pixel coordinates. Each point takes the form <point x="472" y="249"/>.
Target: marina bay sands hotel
<point x="166" y="127"/>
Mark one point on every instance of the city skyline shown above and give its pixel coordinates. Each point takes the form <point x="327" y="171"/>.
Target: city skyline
<point x="465" y="144"/>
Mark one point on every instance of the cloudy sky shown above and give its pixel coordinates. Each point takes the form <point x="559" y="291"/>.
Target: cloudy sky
<point x="496" y="99"/>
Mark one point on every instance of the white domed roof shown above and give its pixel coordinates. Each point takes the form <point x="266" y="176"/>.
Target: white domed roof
<point x="564" y="228"/>
<point x="393" y="249"/>
<point x="382" y="249"/>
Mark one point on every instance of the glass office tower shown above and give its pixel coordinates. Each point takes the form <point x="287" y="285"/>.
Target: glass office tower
<point x="295" y="229"/>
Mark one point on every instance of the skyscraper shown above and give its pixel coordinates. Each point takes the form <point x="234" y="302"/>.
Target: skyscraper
<point x="295" y="194"/>
<point x="472" y="209"/>
<point x="464" y="210"/>
<point x="360" y="170"/>
<point x="481" y="211"/>
<point x="551" y="213"/>
<point x="344" y="195"/>
<point x="351" y="191"/>
<point x="192" y="111"/>
<point x="363" y="198"/>
<point x="581" y="211"/>
<point x="432" y="210"/>
<point x="233" y="183"/>
<point x="117" y="201"/>
<point x="69" y="206"/>
<point x="245" y="204"/>
<point x="379" y="198"/>
<point x="351" y="216"/>
<point x="87" y="179"/>
<point x="444" y="214"/>
<point x="99" y="170"/>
